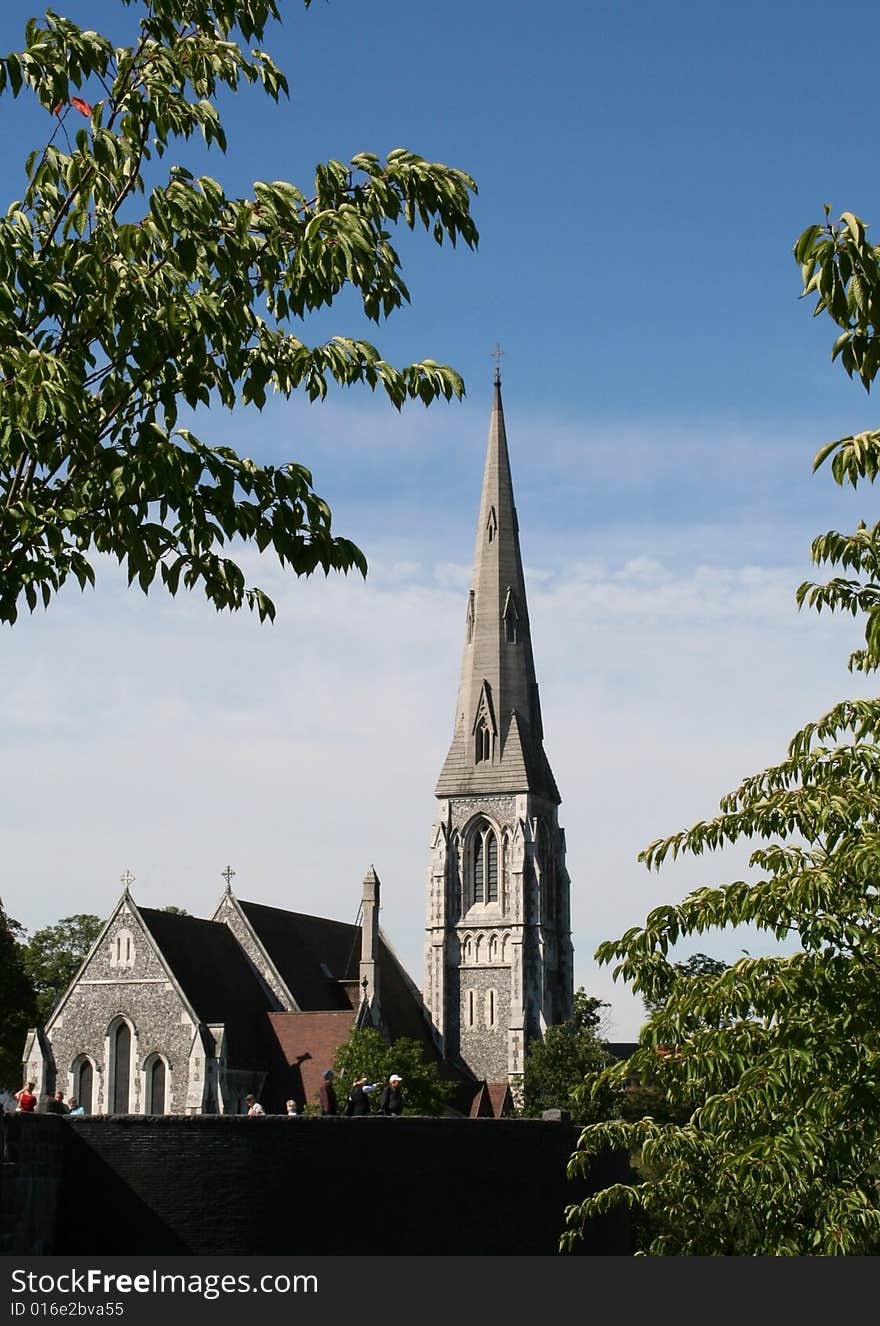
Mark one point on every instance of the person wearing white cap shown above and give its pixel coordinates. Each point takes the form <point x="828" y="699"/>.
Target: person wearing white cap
<point x="391" y="1100"/>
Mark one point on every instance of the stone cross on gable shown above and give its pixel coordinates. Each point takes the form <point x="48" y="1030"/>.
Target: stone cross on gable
<point x="127" y="877"/>
<point x="227" y="875"/>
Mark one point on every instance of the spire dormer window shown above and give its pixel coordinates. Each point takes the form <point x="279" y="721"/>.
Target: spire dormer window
<point x="484" y="729"/>
<point x="491" y="525"/>
<point x="470" y="617"/>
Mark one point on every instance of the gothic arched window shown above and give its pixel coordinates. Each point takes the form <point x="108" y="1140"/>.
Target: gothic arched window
<point x="83" y="1074"/>
<point x="484" y="863"/>
<point x="120" y="1067"/>
<point x="156" y="1085"/>
<point x="482" y="741"/>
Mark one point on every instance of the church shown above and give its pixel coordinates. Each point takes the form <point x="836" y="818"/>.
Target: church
<point x="171" y="1013"/>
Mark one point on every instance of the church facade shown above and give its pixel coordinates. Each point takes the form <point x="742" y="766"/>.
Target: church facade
<point x="171" y="1013"/>
<point x="498" y="952"/>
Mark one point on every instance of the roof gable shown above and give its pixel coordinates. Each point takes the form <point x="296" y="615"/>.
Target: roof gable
<point x="217" y="979"/>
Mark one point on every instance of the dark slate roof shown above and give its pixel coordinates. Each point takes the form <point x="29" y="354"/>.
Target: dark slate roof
<point x="218" y="980"/>
<point x="305" y="948"/>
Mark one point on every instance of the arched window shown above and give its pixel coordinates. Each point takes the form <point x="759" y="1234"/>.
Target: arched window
<point x="468" y="949"/>
<point x="493" y="948"/>
<point x="156" y="1077"/>
<point x="120" y="1067"/>
<point x="470" y="1003"/>
<point x="83" y="1073"/>
<point x="491" y="1006"/>
<point x="482" y="741"/>
<point x="484" y="864"/>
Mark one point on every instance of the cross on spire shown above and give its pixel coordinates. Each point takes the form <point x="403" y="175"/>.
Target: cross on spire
<point x="127" y="877"/>
<point x="496" y="355"/>
<point x="227" y="875"/>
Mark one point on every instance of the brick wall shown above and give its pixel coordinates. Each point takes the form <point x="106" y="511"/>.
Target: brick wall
<point x="307" y="1186"/>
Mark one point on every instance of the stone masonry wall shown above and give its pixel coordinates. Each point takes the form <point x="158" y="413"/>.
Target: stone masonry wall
<point x="136" y="987"/>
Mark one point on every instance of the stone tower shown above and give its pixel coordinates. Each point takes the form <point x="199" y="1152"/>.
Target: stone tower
<point x="498" y="952"/>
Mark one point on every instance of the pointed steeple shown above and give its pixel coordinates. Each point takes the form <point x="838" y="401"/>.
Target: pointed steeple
<point x="497" y="739"/>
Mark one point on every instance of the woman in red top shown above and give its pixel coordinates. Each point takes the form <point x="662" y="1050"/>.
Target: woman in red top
<point x="27" y="1101"/>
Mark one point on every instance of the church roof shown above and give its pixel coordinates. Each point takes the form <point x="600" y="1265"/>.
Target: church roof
<point x="498" y="687"/>
<point x="217" y="979"/>
<point x="312" y="954"/>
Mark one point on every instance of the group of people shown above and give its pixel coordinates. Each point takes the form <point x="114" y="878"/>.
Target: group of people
<point x="390" y="1102"/>
<point x="358" y="1103"/>
<point x="26" y="1102"/>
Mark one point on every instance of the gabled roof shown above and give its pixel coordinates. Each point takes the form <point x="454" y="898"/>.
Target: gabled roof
<point x="492" y="1100"/>
<point x="217" y="979"/>
<point x="312" y="954"/>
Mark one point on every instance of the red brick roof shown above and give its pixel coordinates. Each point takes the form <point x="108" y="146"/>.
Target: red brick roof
<point x="308" y="1043"/>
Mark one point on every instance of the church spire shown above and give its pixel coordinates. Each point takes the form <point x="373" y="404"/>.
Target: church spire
<point x="497" y="739"/>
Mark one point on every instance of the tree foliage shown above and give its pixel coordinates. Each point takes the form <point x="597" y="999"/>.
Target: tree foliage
<point x="775" y="1062"/>
<point x="53" y="955"/>
<point x="129" y="290"/>
<point x="18" y="1003"/>
<point x="697" y="965"/>
<point x="365" y="1052"/>
<point x="557" y="1066"/>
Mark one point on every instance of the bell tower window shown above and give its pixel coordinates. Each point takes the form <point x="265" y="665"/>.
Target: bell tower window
<point x="484" y="864"/>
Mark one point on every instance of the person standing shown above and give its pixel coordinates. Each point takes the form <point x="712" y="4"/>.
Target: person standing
<point x="358" y="1097"/>
<point x="391" y="1100"/>
<point x="292" y="1111"/>
<point x="255" y="1109"/>
<point x="56" y="1105"/>
<point x="26" y="1100"/>
<point x="327" y="1094"/>
<point x="75" y="1108"/>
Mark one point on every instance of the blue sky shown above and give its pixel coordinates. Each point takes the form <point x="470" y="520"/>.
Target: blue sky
<point x="643" y="173"/>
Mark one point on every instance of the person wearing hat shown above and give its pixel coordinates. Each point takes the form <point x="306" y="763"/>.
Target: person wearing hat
<point x="358" y="1097"/>
<point x="391" y="1100"/>
<point x="327" y="1094"/>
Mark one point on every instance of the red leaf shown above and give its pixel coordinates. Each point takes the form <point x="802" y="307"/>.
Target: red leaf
<point x="82" y="106"/>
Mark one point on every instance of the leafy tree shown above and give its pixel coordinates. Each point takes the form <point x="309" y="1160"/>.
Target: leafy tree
<point x="365" y="1052"/>
<point x="777" y="1060"/>
<point x="127" y="293"/>
<point x="697" y="965"/>
<point x="53" y="956"/>
<point x="18" y="1003"/>
<point x="556" y="1067"/>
